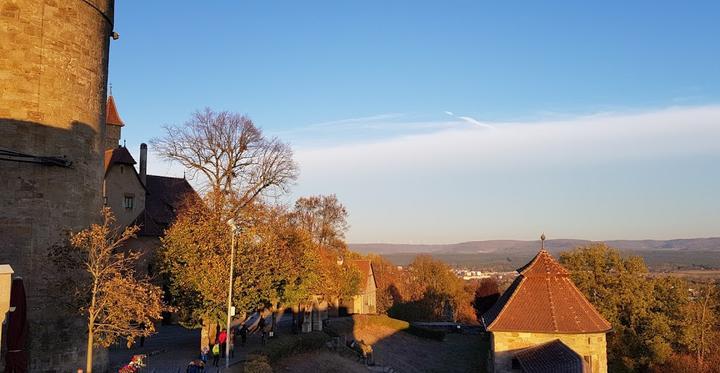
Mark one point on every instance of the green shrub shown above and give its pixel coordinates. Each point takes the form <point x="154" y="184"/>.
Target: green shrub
<point x="257" y="364"/>
<point x="286" y="345"/>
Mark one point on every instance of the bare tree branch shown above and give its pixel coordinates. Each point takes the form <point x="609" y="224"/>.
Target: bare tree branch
<point x="231" y="154"/>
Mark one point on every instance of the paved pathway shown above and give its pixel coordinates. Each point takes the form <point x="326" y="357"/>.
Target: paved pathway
<point x="173" y="347"/>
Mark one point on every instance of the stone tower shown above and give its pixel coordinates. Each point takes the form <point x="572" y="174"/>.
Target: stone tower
<point x="113" y="125"/>
<point x="53" y="74"/>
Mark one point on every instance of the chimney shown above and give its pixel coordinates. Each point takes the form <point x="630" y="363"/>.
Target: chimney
<point x="143" y="163"/>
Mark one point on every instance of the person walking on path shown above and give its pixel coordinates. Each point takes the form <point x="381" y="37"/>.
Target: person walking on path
<point x="232" y="340"/>
<point x="216" y="354"/>
<point x="261" y="327"/>
<point x="204" y="354"/>
<point x="222" y="339"/>
<point x="243" y="334"/>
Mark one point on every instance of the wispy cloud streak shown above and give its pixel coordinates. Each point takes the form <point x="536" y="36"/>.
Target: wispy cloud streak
<point x="470" y="120"/>
<point x="602" y="136"/>
<point x="639" y="174"/>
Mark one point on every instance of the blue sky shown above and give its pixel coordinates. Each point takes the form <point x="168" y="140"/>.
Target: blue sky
<point x="452" y="121"/>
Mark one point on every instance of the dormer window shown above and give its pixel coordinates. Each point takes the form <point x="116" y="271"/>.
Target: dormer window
<point x="129" y="201"/>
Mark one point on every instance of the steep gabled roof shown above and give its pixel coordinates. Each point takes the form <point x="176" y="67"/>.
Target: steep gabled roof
<point x="550" y="357"/>
<point x="543" y="299"/>
<point x="164" y="199"/>
<point x="365" y="267"/>
<point x="111" y="113"/>
<point x="119" y="155"/>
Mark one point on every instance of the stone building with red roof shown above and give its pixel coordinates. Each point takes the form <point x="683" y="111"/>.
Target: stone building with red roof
<point x="365" y="302"/>
<point x="149" y="201"/>
<point x="543" y="323"/>
<point x="123" y="190"/>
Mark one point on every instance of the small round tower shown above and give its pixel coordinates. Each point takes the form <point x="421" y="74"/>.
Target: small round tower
<point x="53" y="74"/>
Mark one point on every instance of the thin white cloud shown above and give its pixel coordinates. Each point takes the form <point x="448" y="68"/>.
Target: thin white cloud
<point x="477" y="122"/>
<point x="465" y="182"/>
<point x="359" y="120"/>
<point x="470" y="120"/>
<point x="594" y="137"/>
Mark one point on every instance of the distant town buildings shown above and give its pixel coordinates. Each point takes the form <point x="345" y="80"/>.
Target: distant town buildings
<point x="473" y="274"/>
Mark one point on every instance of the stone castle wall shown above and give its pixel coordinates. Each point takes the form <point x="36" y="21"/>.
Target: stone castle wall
<point x="112" y="136"/>
<point x="504" y="344"/>
<point x="53" y="74"/>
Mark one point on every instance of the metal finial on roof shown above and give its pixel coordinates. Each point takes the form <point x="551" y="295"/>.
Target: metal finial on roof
<point x="124" y="143"/>
<point x="542" y="241"/>
<point x="110" y="89"/>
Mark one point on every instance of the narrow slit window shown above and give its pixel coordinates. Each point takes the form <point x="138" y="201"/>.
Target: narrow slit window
<point x="129" y="201"/>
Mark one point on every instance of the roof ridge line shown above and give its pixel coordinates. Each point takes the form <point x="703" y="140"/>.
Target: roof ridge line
<point x="592" y="308"/>
<point x="553" y="317"/>
<point x="505" y="306"/>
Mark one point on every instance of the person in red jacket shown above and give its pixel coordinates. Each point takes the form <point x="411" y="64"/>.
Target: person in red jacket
<point x="222" y="339"/>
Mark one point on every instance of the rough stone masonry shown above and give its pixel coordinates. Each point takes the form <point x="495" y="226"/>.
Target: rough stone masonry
<point x="53" y="79"/>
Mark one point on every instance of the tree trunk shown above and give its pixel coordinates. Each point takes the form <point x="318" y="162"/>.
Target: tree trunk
<point x="300" y="317"/>
<point x="273" y="322"/>
<point x="91" y="328"/>
<point x="208" y="333"/>
<point x="89" y="359"/>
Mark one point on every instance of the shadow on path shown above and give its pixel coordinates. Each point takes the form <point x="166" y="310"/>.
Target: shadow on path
<point x="173" y="347"/>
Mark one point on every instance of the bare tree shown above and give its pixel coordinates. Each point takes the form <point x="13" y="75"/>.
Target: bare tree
<point x="324" y="217"/>
<point x="230" y="154"/>
<point x="237" y="165"/>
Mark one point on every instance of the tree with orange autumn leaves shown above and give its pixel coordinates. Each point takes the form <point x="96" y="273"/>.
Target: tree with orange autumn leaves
<point x="279" y="262"/>
<point x="324" y="219"/>
<point x="116" y="301"/>
<point x="425" y="290"/>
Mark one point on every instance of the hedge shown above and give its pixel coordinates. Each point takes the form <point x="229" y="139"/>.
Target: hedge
<point x="286" y="345"/>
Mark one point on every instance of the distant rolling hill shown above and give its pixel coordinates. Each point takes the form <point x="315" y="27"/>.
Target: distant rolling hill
<point x="516" y="246"/>
<point x="523" y="247"/>
<point x="507" y="255"/>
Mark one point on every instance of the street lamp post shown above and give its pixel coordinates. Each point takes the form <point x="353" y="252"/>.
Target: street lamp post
<point x="233" y="229"/>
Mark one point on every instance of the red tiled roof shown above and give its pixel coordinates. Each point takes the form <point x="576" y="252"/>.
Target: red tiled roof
<point x="543" y="265"/>
<point x="111" y="113"/>
<point x="543" y="299"/>
<point x="164" y="199"/>
<point x="550" y="357"/>
<point x="119" y="155"/>
<point x="365" y="268"/>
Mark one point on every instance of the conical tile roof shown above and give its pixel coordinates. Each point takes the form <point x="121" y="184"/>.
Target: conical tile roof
<point x="111" y="113"/>
<point x="543" y="299"/>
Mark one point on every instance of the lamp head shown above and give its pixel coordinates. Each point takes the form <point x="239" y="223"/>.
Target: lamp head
<point x="231" y="223"/>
